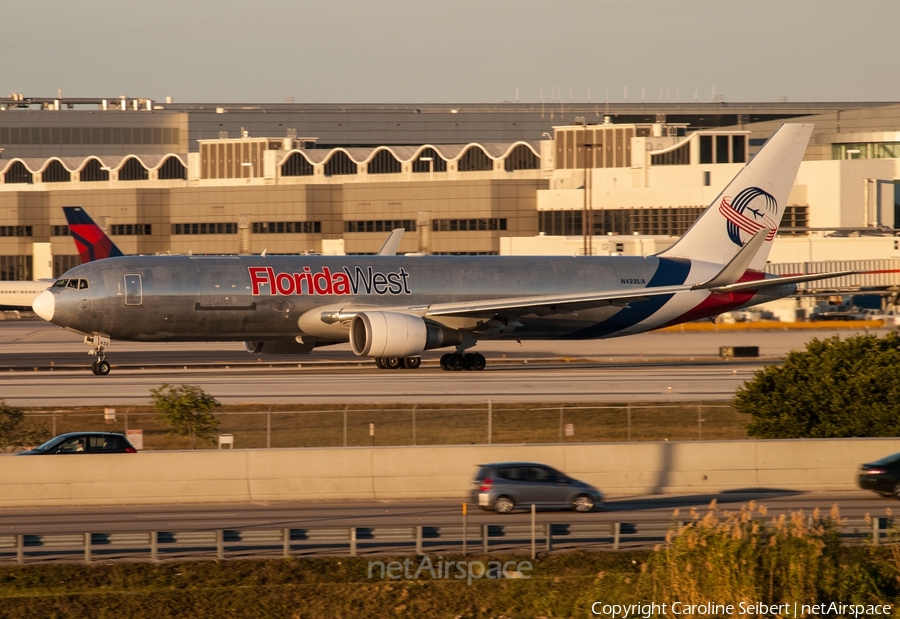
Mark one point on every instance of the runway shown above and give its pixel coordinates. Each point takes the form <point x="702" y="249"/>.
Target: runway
<point x="42" y="365"/>
<point x="543" y="383"/>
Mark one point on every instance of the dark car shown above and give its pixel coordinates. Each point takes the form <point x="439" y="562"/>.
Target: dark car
<point x="882" y="476"/>
<point x="503" y="486"/>
<point x="83" y="442"/>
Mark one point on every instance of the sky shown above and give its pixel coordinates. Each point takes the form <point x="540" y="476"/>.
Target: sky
<point x="458" y="51"/>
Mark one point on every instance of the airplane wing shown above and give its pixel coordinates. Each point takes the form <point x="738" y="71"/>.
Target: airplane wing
<point x="552" y="303"/>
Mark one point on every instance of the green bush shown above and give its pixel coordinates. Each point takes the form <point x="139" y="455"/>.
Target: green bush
<point x="833" y="389"/>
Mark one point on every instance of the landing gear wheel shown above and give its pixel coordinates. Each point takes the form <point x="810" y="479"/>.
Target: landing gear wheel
<point x="412" y="363"/>
<point x="583" y="503"/>
<point x="457" y="362"/>
<point x="445" y="361"/>
<point x="393" y="363"/>
<point x="379" y="363"/>
<point x="504" y="505"/>
<point x="475" y="361"/>
<point x="101" y="368"/>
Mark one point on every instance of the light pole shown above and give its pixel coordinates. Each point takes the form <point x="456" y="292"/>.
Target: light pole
<point x="430" y="161"/>
<point x="587" y="224"/>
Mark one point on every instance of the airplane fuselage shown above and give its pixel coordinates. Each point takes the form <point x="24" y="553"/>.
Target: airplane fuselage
<point x="272" y="298"/>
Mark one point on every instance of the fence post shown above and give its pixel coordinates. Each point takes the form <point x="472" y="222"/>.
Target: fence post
<point x="465" y="527"/>
<point x="154" y="546"/>
<point x="561" y="424"/>
<point x="220" y="544"/>
<point x="20" y="548"/>
<point x="876" y="533"/>
<point x="533" y="533"/>
<point x="352" y="541"/>
<point x="700" y="422"/>
<point x="419" y="541"/>
<point x="345" y="424"/>
<point x="87" y="547"/>
<point x="616" y="530"/>
<point x="490" y="420"/>
<point x="269" y="428"/>
<point x="484" y="538"/>
<point x="549" y="538"/>
<point x="628" y="415"/>
<point x="414" y="423"/>
<point x="287" y="543"/>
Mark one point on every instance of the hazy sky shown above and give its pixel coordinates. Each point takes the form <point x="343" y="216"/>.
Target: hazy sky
<point x="452" y="51"/>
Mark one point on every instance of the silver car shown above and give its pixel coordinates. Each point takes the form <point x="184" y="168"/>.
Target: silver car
<point x="503" y="486"/>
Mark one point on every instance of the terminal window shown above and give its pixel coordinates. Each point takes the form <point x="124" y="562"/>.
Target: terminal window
<point x="15" y="268"/>
<point x="380" y="225"/>
<point x="467" y="225"/>
<point x="287" y="227"/>
<point x="132" y="229"/>
<point x="205" y="228"/>
<point x="15" y="231"/>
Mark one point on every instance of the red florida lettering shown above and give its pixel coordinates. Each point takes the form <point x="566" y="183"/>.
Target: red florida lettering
<point x="284" y="283"/>
<point x="258" y="277"/>
<point x="324" y="276"/>
<point x="347" y="281"/>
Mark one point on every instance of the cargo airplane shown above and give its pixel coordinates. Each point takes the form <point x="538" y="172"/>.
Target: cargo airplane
<point x="392" y="308"/>
<point x="92" y="244"/>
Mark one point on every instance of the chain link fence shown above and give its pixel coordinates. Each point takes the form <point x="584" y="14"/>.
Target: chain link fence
<point x="488" y="423"/>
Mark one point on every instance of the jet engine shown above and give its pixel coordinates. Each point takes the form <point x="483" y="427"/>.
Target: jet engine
<point x="289" y="347"/>
<point x="391" y="334"/>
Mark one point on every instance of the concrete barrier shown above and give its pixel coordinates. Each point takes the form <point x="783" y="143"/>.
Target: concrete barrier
<point x="427" y="472"/>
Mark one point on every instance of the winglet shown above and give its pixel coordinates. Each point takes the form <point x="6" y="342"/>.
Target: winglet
<point x="392" y="244"/>
<point x="738" y="265"/>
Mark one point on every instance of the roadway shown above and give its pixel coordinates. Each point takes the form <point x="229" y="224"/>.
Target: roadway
<point x="43" y="365"/>
<point x="331" y="514"/>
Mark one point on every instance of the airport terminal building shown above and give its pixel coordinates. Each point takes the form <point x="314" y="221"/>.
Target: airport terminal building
<point x="509" y="178"/>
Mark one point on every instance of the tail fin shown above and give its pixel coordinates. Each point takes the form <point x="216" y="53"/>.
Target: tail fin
<point x="91" y="241"/>
<point x="752" y="201"/>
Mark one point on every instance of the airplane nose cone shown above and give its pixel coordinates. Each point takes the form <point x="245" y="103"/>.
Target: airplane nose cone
<point x="44" y="304"/>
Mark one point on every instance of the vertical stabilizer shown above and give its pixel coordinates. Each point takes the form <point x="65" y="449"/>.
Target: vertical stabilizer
<point x="90" y="239"/>
<point x="754" y="200"/>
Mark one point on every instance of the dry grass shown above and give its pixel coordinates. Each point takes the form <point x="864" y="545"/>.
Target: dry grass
<point x="323" y="425"/>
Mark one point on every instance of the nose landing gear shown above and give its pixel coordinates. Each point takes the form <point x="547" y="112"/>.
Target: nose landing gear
<point x="457" y="362"/>
<point x="99" y="344"/>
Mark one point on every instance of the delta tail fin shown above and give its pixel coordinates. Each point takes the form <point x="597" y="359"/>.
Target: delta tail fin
<point x="753" y="201"/>
<point x="90" y="239"/>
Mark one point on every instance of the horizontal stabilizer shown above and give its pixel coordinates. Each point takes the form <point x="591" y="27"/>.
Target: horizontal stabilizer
<point x="780" y="281"/>
<point x="739" y="264"/>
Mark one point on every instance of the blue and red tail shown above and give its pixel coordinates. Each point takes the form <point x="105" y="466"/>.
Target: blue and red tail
<point x="91" y="241"/>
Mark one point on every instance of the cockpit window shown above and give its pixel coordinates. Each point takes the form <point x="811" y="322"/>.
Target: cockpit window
<point x="82" y="284"/>
<point x="61" y="283"/>
<point x="73" y="283"/>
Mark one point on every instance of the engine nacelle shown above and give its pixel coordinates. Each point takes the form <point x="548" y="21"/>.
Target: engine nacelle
<point x="391" y="334"/>
<point x="278" y="348"/>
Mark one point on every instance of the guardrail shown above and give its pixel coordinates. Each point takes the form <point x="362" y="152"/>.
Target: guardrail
<point x="353" y="541"/>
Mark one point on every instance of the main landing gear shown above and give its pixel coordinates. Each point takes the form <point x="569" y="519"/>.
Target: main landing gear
<point x="457" y="362"/>
<point x="98" y="344"/>
<point x="398" y="363"/>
